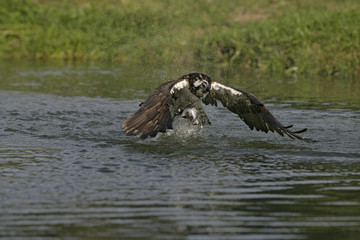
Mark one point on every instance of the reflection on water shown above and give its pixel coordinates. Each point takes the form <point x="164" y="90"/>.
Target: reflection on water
<point x="137" y="82"/>
<point x="68" y="171"/>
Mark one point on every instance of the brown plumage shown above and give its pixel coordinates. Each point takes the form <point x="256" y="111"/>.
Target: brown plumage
<point x="154" y="114"/>
<point x="174" y="99"/>
<point x="249" y="109"/>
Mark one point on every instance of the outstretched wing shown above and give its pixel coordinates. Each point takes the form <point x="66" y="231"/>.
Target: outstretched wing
<point x="249" y="109"/>
<point x="154" y="114"/>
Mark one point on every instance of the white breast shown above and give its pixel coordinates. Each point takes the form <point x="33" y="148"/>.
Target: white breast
<point x="192" y="114"/>
<point x="187" y="122"/>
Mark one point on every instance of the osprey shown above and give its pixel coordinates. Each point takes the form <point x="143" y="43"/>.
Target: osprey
<point x="181" y="100"/>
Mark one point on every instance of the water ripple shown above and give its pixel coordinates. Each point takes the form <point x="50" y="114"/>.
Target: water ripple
<point x="68" y="171"/>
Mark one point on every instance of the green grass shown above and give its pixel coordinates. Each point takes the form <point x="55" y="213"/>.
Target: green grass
<point x="306" y="41"/>
<point x="265" y="36"/>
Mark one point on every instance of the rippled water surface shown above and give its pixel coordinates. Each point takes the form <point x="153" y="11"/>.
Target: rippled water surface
<point x="68" y="171"/>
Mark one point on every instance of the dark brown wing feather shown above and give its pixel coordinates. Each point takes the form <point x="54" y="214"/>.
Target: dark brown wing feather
<point x="249" y="109"/>
<point x="154" y="114"/>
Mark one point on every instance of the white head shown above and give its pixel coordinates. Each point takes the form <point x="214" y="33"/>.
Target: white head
<point x="199" y="84"/>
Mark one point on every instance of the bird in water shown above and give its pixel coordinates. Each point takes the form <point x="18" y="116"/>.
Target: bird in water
<point x="180" y="101"/>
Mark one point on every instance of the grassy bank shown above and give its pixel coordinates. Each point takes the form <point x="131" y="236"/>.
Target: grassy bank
<point x="265" y="36"/>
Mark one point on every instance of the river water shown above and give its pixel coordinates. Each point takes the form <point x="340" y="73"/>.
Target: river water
<point x="67" y="171"/>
